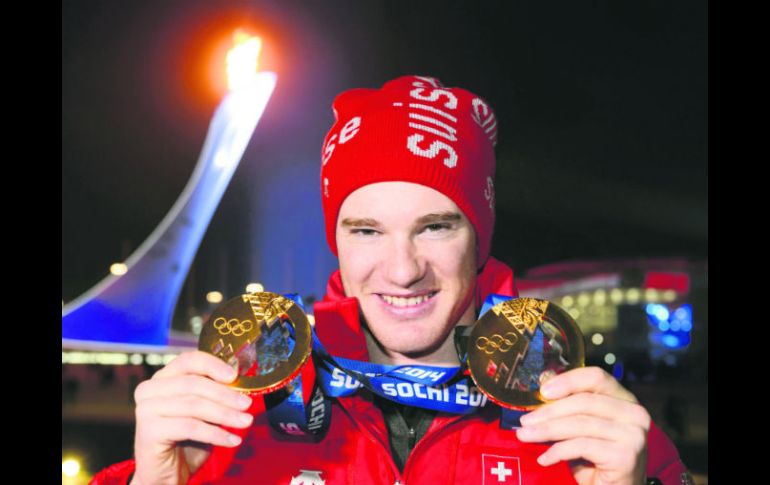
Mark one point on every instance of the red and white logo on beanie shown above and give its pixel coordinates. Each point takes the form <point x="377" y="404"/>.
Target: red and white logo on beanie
<point x="413" y="129"/>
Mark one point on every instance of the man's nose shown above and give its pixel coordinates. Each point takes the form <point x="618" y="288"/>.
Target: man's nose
<point x="403" y="262"/>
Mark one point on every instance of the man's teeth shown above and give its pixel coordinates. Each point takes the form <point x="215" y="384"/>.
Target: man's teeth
<point x="404" y="302"/>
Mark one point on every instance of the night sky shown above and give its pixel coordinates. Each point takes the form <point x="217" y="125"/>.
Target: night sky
<point x="602" y="109"/>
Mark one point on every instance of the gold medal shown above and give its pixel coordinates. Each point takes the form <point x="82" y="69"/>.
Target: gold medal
<point x="517" y="345"/>
<point x="252" y="333"/>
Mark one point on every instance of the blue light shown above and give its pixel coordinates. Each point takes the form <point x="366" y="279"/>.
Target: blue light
<point x="684" y="312"/>
<point x="657" y="311"/>
<point x="670" y="341"/>
<point x="662" y="312"/>
<point x="677" y="322"/>
<point x="650" y="308"/>
<point x="672" y="332"/>
<point x="617" y="370"/>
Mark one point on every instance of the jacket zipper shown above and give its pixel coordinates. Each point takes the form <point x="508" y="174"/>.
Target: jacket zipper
<point x="429" y="435"/>
<point x="373" y="439"/>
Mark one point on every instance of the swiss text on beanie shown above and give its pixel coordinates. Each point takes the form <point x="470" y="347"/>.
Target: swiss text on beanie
<point x="413" y="129"/>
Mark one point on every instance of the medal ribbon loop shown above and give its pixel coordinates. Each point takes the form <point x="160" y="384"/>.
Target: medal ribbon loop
<point x="444" y="389"/>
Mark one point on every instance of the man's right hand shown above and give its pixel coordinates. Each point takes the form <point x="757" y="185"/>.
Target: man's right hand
<point x="178" y="416"/>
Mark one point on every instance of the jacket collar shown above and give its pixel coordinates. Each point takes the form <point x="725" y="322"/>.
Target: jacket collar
<point x="338" y="324"/>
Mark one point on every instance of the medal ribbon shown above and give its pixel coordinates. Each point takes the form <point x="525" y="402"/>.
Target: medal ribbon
<point x="445" y="389"/>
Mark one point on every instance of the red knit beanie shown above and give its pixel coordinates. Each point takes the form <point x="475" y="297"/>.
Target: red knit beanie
<point x="415" y="130"/>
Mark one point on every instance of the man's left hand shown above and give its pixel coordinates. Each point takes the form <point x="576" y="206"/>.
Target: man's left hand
<point x="596" y="424"/>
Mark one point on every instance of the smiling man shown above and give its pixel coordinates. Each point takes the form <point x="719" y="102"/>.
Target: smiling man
<point x="412" y="267"/>
<point x="408" y="197"/>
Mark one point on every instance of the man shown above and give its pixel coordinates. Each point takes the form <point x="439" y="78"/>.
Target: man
<point x="408" y="196"/>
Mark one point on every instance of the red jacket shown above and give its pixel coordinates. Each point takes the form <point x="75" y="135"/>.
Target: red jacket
<point x="470" y="449"/>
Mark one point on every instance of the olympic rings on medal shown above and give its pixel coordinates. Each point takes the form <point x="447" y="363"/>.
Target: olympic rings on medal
<point x="497" y="342"/>
<point x="516" y="345"/>
<point x="249" y="331"/>
<point x="236" y="329"/>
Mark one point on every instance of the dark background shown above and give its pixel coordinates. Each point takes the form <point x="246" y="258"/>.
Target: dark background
<point x="602" y="108"/>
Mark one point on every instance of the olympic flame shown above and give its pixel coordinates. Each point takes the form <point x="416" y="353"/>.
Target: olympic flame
<point x="242" y="60"/>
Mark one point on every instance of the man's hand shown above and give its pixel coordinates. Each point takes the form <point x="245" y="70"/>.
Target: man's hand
<point x="596" y="423"/>
<point x="178" y="413"/>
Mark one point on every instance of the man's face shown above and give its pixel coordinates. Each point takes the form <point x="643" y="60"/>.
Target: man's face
<point x="408" y="253"/>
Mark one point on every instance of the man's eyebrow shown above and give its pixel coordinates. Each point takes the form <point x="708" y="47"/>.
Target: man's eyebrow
<point x="432" y="218"/>
<point x="447" y="216"/>
<point x="365" y="222"/>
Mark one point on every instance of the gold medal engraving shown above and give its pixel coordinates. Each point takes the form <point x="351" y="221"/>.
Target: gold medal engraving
<point x="523" y="313"/>
<point x="232" y="326"/>
<point x="517" y="345"/>
<point x="496" y="343"/>
<point x="253" y="334"/>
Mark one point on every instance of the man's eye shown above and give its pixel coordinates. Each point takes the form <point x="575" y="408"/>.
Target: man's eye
<point x="364" y="232"/>
<point x="437" y="227"/>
